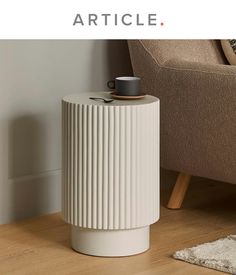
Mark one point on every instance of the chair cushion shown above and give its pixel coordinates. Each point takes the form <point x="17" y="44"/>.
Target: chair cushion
<point x="229" y="48"/>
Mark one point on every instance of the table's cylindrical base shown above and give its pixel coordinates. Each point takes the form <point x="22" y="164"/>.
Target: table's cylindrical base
<point x="110" y="243"/>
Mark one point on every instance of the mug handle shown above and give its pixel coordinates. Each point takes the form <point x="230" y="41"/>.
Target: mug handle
<point x="111" y="84"/>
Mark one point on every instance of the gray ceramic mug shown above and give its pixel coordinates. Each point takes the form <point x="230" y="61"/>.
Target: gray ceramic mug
<point x="125" y="85"/>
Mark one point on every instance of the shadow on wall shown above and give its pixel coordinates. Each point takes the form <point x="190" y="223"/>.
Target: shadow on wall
<point x="117" y="58"/>
<point x="23" y="161"/>
<point x="26" y="134"/>
<point x="32" y="191"/>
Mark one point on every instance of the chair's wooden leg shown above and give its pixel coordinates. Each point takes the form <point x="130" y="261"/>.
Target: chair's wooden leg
<point x="179" y="191"/>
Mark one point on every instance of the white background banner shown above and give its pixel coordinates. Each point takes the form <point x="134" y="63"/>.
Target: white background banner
<point x="53" y="19"/>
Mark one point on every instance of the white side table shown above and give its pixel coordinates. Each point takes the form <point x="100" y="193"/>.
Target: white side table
<point x="110" y="172"/>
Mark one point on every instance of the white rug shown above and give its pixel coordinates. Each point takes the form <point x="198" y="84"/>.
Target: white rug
<point x="219" y="255"/>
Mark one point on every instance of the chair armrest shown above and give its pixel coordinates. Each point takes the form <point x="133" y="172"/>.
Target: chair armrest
<point x="204" y="94"/>
<point x="198" y="118"/>
<point x="182" y="65"/>
<point x="210" y="80"/>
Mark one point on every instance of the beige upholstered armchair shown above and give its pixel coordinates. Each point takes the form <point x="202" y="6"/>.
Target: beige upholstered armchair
<point x="197" y="89"/>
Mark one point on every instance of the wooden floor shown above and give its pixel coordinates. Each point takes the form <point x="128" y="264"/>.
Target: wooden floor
<point x="42" y="246"/>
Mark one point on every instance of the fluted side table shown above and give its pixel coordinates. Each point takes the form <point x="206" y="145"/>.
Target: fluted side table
<point x="110" y="172"/>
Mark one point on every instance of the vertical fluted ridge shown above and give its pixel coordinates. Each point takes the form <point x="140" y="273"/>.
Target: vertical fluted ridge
<point x="110" y="165"/>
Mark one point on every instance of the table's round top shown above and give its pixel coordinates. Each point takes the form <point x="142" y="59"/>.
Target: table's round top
<point x="84" y="99"/>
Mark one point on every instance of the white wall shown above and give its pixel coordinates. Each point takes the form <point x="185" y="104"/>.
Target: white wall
<point x="34" y="76"/>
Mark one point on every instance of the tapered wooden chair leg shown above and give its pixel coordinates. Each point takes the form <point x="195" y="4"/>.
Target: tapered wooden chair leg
<point x="179" y="191"/>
